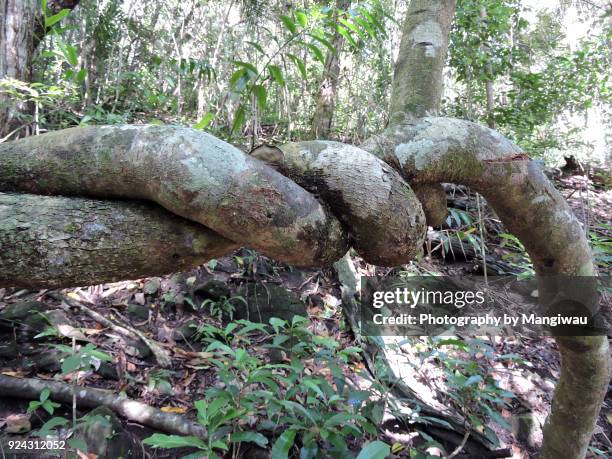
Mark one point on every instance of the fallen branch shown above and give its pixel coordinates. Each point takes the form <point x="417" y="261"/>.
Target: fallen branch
<point x="132" y="410"/>
<point x="161" y="356"/>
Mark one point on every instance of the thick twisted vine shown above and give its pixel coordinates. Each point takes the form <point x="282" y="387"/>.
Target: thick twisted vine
<point x="200" y="178"/>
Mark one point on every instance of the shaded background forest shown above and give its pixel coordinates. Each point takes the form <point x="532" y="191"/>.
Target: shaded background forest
<point x="537" y="71"/>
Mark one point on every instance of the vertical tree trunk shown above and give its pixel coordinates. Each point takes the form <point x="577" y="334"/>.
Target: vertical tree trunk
<point x="418" y="78"/>
<point x="326" y="99"/>
<point x="21" y="30"/>
<point x="17" y="25"/>
<point x="489" y="82"/>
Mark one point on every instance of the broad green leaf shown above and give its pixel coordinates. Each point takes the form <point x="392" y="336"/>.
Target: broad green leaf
<point x="375" y="450"/>
<point x="299" y="63"/>
<point x="316" y="52"/>
<point x="289" y="24"/>
<point x="247" y="65"/>
<point x="474" y="379"/>
<point x="52" y="424"/>
<point x="252" y="437"/>
<point x="70" y="53"/>
<point x="261" y="94"/>
<point x="283" y="444"/>
<point x="71" y="363"/>
<point x="203" y="124"/>
<point x="173" y="441"/>
<point x="78" y="444"/>
<point x="239" y="120"/>
<point x="324" y="42"/>
<point x="50" y="21"/>
<point x="277" y="74"/>
<point x="301" y="18"/>
<point x="347" y="35"/>
<point x="81" y="74"/>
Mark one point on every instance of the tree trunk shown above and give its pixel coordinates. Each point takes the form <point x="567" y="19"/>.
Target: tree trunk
<point x="17" y="24"/>
<point x="60" y="242"/>
<point x="418" y="78"/>
<point x="326" y="99"/>
<point x="489" y="81"/>
<point x="22" y="28"/>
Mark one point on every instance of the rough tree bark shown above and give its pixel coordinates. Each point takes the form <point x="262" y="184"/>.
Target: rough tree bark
<point x="60" y="242"/>
<point x="382" y="213"/>
<point x="190" y="173"/>
<point x="17" y="20"/>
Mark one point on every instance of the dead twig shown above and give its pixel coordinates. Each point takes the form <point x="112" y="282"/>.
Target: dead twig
<point x="161" y="356"/>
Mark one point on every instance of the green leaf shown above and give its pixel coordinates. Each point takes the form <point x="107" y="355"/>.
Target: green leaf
<point x="78" y="444"/>
<point x="261" y="94"/>
<point x="324" y="42"/>
<point x="71" y="363"/>
<point x="50" y="21"/>
<point x="70" y="53"/>
<point x="289" y="24"/>
<point x="301" y="18"/>
<point x="316" y="52"/>
<point x="347" y="35"/>
<point x="51" y="424"/>
<point x="277" y="74"/>
<point x="253" y="437"/>
<point x="239" y="119"/>
<point x="283" y="444"/>
<point x="248" y="66"/>
<point x="203" y="124"/>
<point x="299" y="63"/>
<point x="474" y="379"/>
<point x="239" y="79"/>
<point x="375" y="450"/>
<point x="81" y="74"/>
<point x="173" y="441"/>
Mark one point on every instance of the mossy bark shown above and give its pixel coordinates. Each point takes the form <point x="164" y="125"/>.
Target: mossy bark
<point x="52" y="242"/>
<point x="380" y="210"/>
<point x="436" y="150"/>
<point x="188" y="172"/>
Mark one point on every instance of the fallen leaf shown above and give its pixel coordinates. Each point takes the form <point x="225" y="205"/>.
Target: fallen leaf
<point x="17" y="423"/>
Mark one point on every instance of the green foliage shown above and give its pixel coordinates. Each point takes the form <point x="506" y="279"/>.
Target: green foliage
<point x="537" y="79"/>
<point x="602" y="248"/>
<point x="471" y="386"/>
<point x="312" y="414"/>
<point x="43" y="402"/>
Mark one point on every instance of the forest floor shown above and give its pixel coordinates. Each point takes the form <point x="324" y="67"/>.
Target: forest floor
<point x="184" y="313"/>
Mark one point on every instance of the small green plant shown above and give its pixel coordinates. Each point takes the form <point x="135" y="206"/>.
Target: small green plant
<point x="43" y="402"/>
<point x="223" y="307"/>
<point x="315" y="415"/>
<point x="517" y="257"/>
<point x="602" y="248"/>
<point x="85" y="358"/>
<point x="471" y="386"/>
